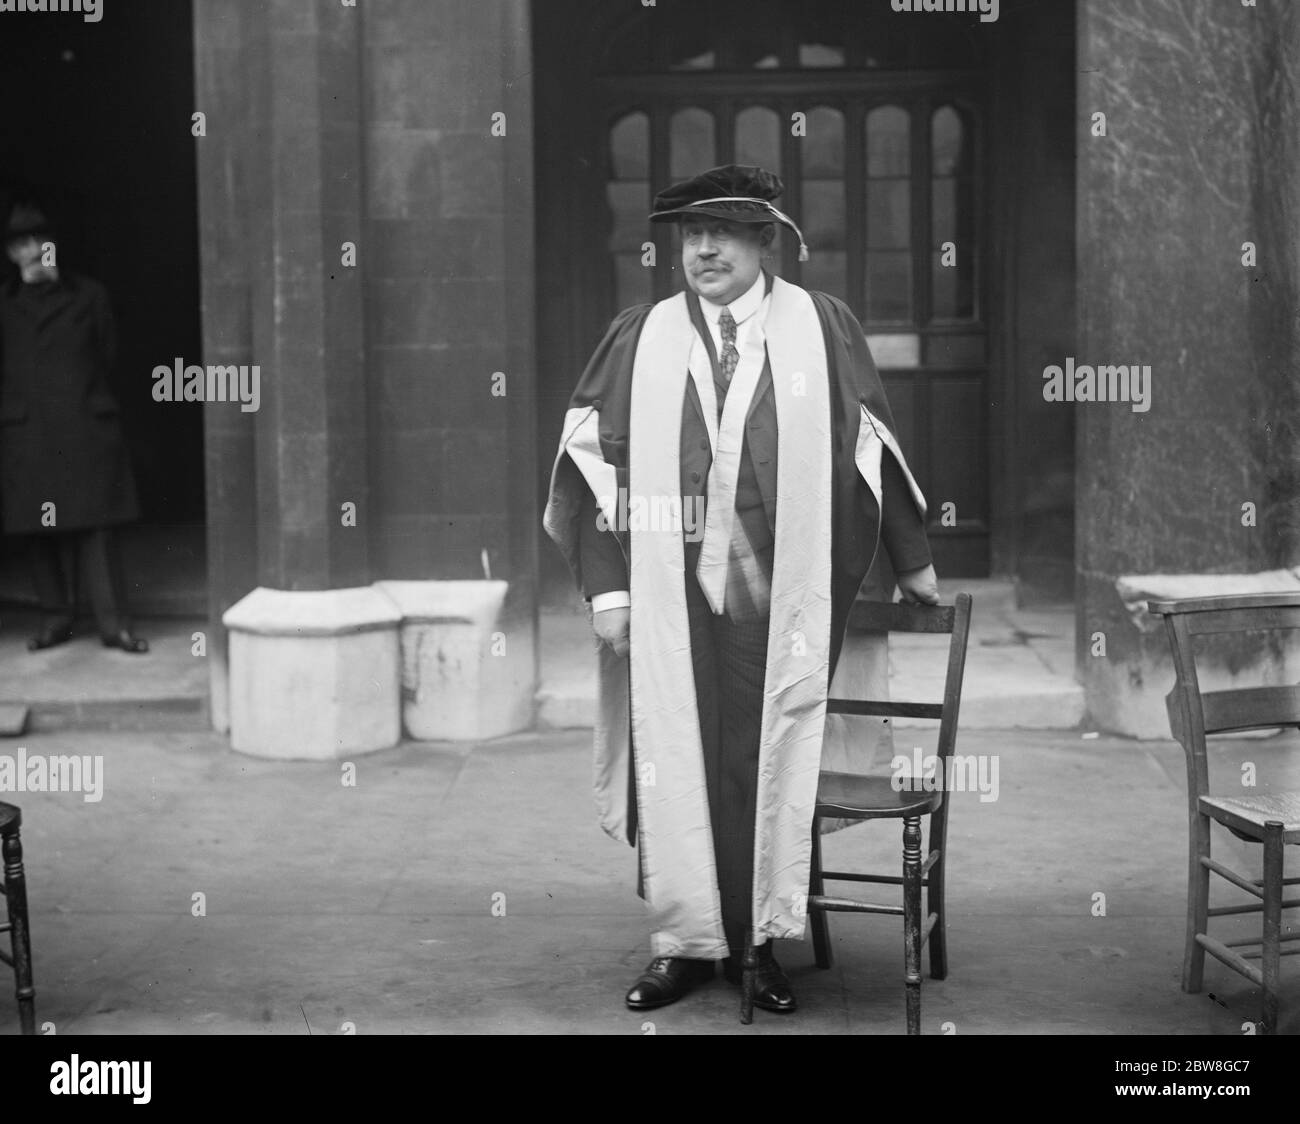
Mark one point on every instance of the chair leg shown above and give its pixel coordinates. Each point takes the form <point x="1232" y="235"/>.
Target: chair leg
<point x="1271" y="953"/>
<point x="939" y="934"/>
<point x="1198" y="902"/>
<point x="816" y="917"/>
<point x="16" y="897"/>
<point x="912" y="919"/>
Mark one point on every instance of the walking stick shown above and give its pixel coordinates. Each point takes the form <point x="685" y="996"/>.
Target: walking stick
<point x="749" y="968"/>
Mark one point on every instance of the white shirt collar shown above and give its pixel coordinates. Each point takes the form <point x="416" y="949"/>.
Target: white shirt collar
<point x="742" y="308"/>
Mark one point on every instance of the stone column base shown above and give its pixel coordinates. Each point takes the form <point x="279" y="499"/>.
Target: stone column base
<point x="313" y="675"/>
<point x="461" y="666"/>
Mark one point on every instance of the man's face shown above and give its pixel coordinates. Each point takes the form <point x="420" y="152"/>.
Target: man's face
<point x="24" y="251"/>
<point x="722" y="259"/>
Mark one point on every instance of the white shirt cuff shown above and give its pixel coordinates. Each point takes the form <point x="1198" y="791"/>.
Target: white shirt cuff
<point x="615" y="599"/>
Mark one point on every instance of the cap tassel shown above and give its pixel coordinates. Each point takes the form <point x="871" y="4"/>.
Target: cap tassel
<point x="783" y="217"/>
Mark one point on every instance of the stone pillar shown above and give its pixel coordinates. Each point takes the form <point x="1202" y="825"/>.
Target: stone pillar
<point x="280" y="168"/>
<point x="1032" y="157"/>
<point x="450" y="291"/>
<point x="401" y="385"/>
<point x="307" y="312"/>
<point x="1198" y="158"/>
<point x="226" y="51"/>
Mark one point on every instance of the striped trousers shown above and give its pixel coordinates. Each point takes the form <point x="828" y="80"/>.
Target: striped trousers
<point x="730" y="661"/>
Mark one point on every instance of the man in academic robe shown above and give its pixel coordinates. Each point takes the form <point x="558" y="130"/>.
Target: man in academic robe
<point x="757" y="404"/>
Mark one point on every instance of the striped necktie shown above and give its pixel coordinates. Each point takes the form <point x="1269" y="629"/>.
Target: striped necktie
<point x="728" y="571"/>
<point x="730" y="356"/>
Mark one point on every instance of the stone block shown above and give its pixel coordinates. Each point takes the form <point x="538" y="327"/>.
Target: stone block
<point x="1127" y="689"/>
<point x="314" y="675"/>
<point x="474" y="469"/>
<point x="402" y="313"/>
<point x="436" y="249"/>
<point x="406" y="22"/>
<point x="406" y="391"/>
<point x="466" y="674"/>
<point x="472" y="185"/>
<point x="409" y="471"/>
<point x="401" y="169"/>
<point x="403" y="544"/>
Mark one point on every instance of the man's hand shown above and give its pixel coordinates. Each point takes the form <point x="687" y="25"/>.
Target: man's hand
<point x="920" y="587"/>
<point x="611" y="627"/>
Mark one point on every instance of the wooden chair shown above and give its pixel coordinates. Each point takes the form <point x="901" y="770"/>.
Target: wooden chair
<point x="1272" y="819"/>
<point x="849" y="796"/>
<point x="14" y="890"/>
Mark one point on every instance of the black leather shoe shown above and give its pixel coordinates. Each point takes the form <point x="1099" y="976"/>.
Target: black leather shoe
<point x="772" y="990"/>
<point x="127" y="641"/>
<point x="665" y="980"/>
<point x="49" y="637"/>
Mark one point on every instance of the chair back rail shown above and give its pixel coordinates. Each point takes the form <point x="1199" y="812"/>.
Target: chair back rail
<point x="1193" y="713"/>
<point x="1250" y="708"/>
<point x="895" y="616"/>
<point x="1229" y="603"/>
<point x="1243" y="620"/>
<point x="878" y="709"/>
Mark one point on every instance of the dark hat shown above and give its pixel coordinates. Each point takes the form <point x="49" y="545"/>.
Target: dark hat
<point x="25" y="219"/>
<point x="735" y="192"/>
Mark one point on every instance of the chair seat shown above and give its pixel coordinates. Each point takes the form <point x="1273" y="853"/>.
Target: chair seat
<point x="852" y="796"/>
<point x="9" y="817"/>
<point x="1245" y="816"/>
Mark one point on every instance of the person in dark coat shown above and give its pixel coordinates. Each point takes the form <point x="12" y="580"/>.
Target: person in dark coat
<point x="65" y="472"/>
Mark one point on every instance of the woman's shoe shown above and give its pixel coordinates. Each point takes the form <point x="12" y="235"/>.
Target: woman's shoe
<point x="127" y="641"/>
<point x="49" y="637"/>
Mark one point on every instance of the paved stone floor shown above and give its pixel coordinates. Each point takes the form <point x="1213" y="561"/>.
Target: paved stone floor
<point x="83" y="685"/>
<point x="372" y="904"/>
